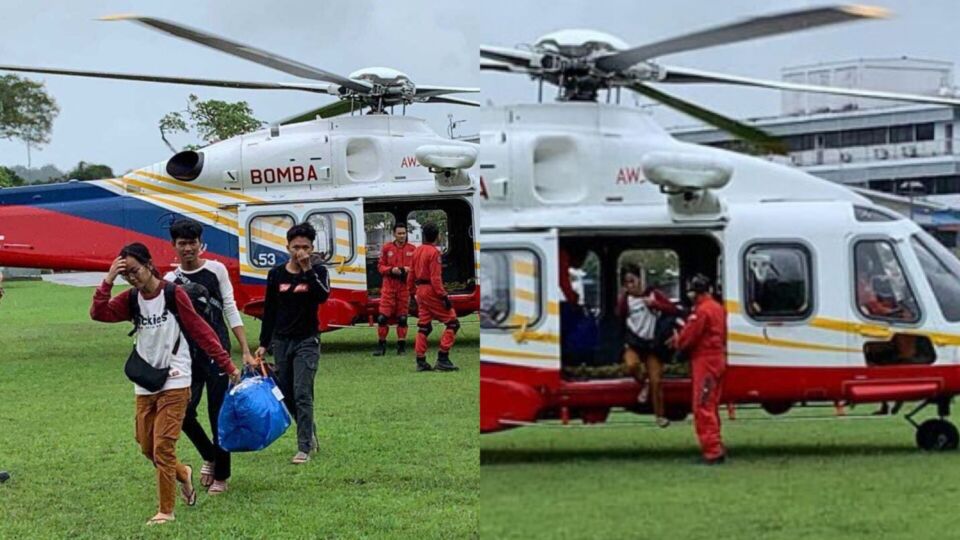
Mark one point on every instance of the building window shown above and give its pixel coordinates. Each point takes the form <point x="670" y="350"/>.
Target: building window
<point x="882" y="290"/>
<point x="902" y="134"/>
<point x="778" y="282"/>
<point x="925" y="132"/>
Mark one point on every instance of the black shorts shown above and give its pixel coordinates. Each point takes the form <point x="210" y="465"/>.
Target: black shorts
<point x="638" y="344"/>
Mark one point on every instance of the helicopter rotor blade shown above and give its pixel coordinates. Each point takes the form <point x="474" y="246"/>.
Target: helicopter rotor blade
<point x="249" y="85"/>
<point x="491" y="65"/>
<point x="247" y="52"/>
<point x="738" y="129"/>
<point x="748" y="29"/>
<point x="427" y="90"/>
<point x="330" y="110"/>
<point x="451" y="100"/>
<point x="512" y="57"/>
<point x="686" y="75"/>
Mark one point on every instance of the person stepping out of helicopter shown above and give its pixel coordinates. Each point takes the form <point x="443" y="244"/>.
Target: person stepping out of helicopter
<point x="640" y="307"/>
<point x="396" y="259"/>
<point x="704" y="338"/>
<point x="432" y="302"/>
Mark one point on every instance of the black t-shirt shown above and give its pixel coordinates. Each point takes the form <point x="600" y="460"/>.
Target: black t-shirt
<point x="290" y="309"/>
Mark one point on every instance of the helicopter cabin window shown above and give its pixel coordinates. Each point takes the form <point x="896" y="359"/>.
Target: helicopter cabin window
<point x="882" y="290"/>
<point x="862" y="213"/>
<point x="334" y="240"/>
<point x="943" y="273"/>
<point x="779" y="282"/>
<point x="418" y="218"/>
<point x="378" y="229"/>
<point x="267" y="239"/>
<point x="510" y="284"/>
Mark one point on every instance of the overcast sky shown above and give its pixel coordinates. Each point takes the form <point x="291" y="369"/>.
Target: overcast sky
<point x="925" y="29"/>
<point x="115" y="122"/>
<point x="435" y="42"/>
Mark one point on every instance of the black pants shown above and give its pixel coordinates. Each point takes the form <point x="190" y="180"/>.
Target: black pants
<point x="216" y="382"/>
<point x="296" y="361"/>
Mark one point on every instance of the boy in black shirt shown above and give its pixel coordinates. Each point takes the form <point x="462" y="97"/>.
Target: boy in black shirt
<point x="295" y="291"/>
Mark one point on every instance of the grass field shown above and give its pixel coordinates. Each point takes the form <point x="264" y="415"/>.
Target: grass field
<point x="398" y="459"/>
<point x="792" y="478"/>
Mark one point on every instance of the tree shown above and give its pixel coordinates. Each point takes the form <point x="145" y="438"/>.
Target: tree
<point x="212" y="120"/>
<point x="26" y="111"/>
<point x="8" y="178"/>
<point x="89" y="171"/>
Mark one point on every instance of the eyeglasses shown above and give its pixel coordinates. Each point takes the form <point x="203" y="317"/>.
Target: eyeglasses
<point x="131" y="273"/>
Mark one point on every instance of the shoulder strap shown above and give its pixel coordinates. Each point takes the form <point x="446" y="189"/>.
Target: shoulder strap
<point x="170" y="299"/>
<point x="170" y="304"/>
<point x="133" y="307"/>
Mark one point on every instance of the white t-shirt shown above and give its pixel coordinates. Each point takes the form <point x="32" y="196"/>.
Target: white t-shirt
<point x="157" y="335"/>
<point x="641" y="320"/>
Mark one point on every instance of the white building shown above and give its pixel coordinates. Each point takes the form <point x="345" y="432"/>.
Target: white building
<point x="905" y="150"/>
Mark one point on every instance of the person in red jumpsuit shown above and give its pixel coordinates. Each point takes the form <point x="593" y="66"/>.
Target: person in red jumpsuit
<point x="396" y="259"/>
<point x="426" y="282"/>
<point x="704" y="338"/>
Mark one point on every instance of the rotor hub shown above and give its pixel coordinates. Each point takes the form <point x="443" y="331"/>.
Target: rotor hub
<point x="580" y="43"/>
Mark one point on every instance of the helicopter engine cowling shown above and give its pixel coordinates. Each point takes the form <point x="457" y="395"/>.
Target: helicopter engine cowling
<point x="215" y="165"/>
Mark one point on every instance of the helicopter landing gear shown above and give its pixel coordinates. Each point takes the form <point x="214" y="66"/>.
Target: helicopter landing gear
<point x="935" y="434"/>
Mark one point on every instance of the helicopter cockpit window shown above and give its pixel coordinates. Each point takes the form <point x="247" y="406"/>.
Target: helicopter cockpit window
<point x="779" y="282"/>
<point x="943" y="273"/>
<point x="881" y="284"/>
<point x="267" y="240"/>
<point x="378" y="227"/>
<point x="509" y="288"/>
<point x="862" y="213"/>
<point x="418" y="218"/>
<point x="334" y="241"/>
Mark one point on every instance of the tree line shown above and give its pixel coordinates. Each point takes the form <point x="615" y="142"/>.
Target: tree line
<point x="27" y="113"/>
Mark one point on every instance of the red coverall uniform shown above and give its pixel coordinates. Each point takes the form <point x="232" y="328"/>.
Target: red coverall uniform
<point x="704" y="337"/>
<point x="394" y="293"/>
<point x="427" y="283"/>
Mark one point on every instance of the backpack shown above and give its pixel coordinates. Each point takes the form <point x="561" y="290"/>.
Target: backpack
<point x="202" y="304"/>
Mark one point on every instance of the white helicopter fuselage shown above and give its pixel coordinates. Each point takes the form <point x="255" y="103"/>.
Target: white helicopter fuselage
<point x="556" y="175"/>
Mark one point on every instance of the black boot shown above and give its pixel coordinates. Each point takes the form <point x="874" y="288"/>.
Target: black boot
<point x="401" y="347"/>
<point x="381" y="349"/>
<point x="422" y="364"/>
<point x="444" y="363"/>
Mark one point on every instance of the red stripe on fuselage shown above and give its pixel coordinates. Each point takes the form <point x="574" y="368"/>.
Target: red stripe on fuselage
<point x="39" y="238"/>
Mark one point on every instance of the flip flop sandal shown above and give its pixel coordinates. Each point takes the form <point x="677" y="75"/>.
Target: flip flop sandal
<point x="206" y="474"/>
<point x="189" y="497"/>
<point x="217" y="487"/>
<point x="160" y="520"/>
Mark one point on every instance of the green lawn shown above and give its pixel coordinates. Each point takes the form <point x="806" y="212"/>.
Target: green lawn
<point x="798" y="478"/>
<point x="399" y="450"/>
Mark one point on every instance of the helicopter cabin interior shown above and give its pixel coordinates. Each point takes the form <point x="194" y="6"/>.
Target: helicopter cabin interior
<point x="591" y="330"/>
<point x="452" y="216"/>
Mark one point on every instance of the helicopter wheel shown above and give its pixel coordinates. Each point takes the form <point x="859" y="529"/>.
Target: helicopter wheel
<point x="936" y="435"/>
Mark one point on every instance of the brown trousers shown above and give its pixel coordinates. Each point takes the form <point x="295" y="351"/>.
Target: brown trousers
<point x="159" y="417"/>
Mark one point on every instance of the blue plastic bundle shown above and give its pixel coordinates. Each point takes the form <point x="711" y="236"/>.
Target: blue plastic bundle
<point x="253" y="414"/>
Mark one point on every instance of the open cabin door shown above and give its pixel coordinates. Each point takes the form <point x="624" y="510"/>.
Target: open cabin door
<point x="340" y="244"/>
<point x="519" y="305"/>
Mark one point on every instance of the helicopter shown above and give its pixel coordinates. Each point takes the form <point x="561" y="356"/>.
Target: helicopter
<point x="350" y="168"/>
<point x="830" y="298"/>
